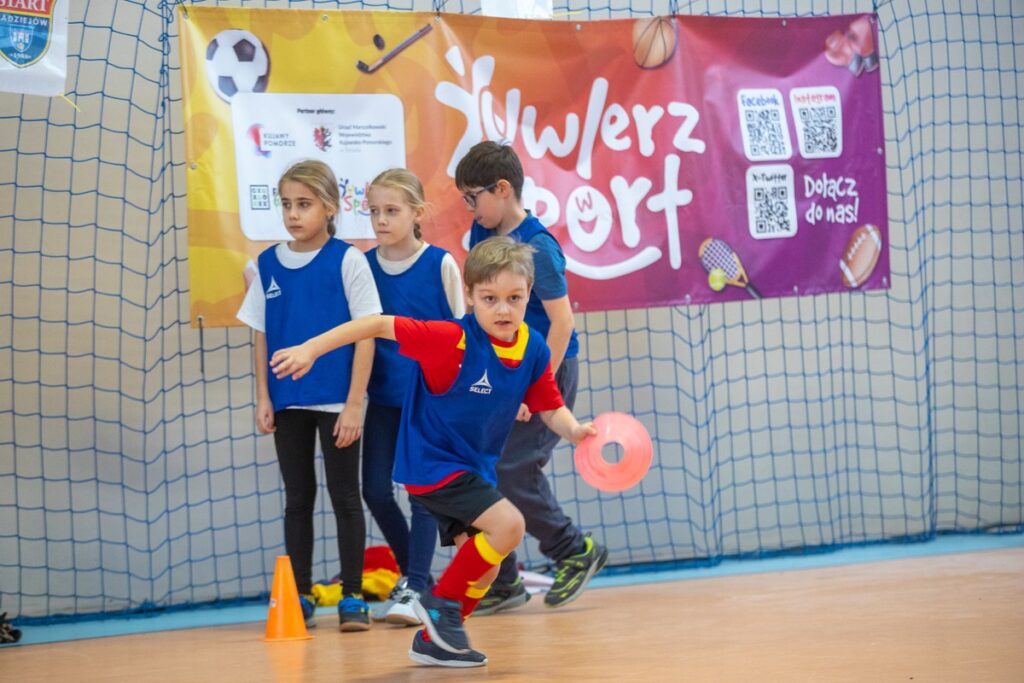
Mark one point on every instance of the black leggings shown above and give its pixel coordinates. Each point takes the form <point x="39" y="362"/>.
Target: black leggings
<point x="295" y="439"/>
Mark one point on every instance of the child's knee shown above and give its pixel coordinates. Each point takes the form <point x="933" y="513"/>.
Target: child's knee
<point x="517" y="524"/>
<point x="513" y="528"/>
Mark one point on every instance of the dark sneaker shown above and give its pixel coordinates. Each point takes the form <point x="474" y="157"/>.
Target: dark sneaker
<point x="427" y="652"/>
<point x="443" y="619"/>
<point x="574" y="572"/>
<point x="308" y="605"/>
<point x="353" y="613"/>
<point x="9" y="634"/>
<point x="501" y="598"/>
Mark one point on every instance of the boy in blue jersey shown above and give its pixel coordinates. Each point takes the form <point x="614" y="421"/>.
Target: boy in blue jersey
<point x="474" y="374"/>
<point x="490" y="177"/>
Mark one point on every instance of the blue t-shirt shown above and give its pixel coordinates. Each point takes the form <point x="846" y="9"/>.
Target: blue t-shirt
<point x="549" y="272"/>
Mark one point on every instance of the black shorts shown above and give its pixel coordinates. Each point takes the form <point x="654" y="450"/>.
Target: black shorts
<point x="458" y="503"/>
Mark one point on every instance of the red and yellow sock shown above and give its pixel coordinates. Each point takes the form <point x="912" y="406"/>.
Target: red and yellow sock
<point x="475" y="558"/>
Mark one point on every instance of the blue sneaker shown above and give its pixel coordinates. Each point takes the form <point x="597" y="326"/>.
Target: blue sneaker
<point x="308" y="605"/>
<point x="443" y="619"/>
<point x="353" y="613"/>
<point x="427" y="652"/>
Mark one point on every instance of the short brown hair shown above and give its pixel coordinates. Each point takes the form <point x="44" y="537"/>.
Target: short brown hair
<point x="318" y="177"/>
<point x="496" y="255"/>
<point x="488" y="162"/>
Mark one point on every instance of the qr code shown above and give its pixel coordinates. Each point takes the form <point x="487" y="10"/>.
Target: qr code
<point x="820" y="136"/>
<point x="763" y="125"/>
<point x="818" y="114"/>
<point x="771" y="210"/>
<point x="771" y="206"/>
<point x="766" y="134"/>
<point x="259" y="197"/>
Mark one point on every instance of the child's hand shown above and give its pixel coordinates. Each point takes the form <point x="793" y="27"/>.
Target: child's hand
<point x="524" y="414"/>
<point x="349" y="425"/>
<point x="265" y="417"/>
<point x="295" y="361"/>
<point x="582" y="431"/>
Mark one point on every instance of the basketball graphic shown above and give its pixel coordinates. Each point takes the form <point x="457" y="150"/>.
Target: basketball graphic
<point x="654" y="41"/>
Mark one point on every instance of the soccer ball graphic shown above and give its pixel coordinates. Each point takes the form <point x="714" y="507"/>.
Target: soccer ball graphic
<point x="236" y="61"/>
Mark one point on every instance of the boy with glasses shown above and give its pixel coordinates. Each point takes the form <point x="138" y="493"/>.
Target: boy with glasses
<point x="490" y="178"/>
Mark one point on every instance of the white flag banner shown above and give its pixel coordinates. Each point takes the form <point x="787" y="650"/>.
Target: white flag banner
<point x="33" y="46"/>
<point x="517" y="9"/>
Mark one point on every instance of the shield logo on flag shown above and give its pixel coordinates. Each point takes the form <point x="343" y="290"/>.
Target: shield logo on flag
<point x="25" y="34"/>
<point x="21" y="38"/>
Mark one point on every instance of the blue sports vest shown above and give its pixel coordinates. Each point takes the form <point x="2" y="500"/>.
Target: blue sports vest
<point x="465" y="428"/>
<point x="536" y="316"/>
<point x="416" y="293"/>
<point x="302" y="303"/>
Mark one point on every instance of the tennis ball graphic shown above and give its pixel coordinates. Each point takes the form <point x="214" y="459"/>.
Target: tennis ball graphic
<point x="716" y="279"/>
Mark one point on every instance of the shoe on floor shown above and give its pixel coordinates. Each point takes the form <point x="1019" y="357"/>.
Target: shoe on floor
<point x="353" y="613"/>
<point x="308" y="605"/>
<point x="502" y="597"/>
<point x="427" y="652"/>
<point x="401" y="611"/>
<point x="381" y="612"/>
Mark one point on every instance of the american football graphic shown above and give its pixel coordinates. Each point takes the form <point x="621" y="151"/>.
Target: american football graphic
<point x="860" y="255"/>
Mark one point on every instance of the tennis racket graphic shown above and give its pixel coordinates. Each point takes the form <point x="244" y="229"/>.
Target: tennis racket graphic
<point x="715" y="253"/>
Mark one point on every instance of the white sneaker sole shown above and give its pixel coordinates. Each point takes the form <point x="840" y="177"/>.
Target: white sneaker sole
<point x="427" y="660"/>
<point x="402" y="618"/>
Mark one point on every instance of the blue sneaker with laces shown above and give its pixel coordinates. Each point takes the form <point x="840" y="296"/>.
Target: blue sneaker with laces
<point x="308" y="605"/>
<point x="353" y="613"/>
<point x="427" y="652"/>
<point x="443" y="619"/>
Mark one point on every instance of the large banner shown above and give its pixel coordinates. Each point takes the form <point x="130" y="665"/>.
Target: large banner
<point x="677" y="160"/>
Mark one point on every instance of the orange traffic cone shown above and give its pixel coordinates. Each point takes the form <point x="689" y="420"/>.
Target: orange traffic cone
<point x="284" y="619"/>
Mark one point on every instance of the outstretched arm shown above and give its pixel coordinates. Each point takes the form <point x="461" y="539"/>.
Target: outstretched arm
<point x="564" y="423"/>
<point x="297" y="360"/>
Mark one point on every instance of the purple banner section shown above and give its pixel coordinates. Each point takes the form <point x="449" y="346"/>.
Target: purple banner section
<point x="778" y="185"/>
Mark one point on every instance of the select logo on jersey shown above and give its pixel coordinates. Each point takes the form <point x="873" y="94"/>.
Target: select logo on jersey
<point x="273" y="291"/>
<point x="481" y="386"/>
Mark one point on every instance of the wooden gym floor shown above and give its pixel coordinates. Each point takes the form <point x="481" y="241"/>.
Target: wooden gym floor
<point x="955" y="617"/>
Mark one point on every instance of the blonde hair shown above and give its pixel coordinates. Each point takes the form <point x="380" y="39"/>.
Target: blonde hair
<point x="406" y="182"/>
<point x="496" y="255"/>
<point x="318" y="177"/>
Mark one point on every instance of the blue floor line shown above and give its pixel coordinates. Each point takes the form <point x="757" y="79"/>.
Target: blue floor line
<point x="943" y="545"/>
<point x="202" y="618"/>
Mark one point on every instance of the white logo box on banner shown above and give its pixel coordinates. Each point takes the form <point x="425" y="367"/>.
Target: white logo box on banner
<point x="358" y="136"/>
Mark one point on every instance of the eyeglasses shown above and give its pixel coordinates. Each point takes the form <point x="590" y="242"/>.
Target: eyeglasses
<point x="470" y="197"/>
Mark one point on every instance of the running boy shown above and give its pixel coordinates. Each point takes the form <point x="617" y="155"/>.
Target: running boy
<point x="490" y="177"/>
<point x="474" y="373"/>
